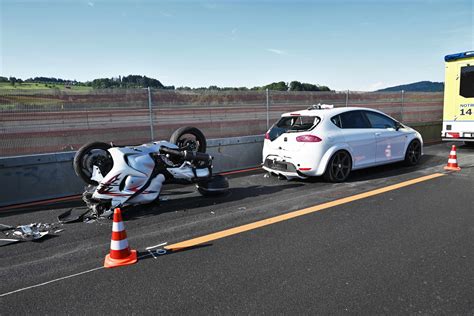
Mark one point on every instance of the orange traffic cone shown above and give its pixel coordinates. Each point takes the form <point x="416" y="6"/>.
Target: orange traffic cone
<point x="452" y="161"/>
<point x="120" y="253"/>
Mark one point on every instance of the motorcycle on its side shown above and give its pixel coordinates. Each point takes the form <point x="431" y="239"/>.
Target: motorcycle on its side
<point x="121" y="176"/>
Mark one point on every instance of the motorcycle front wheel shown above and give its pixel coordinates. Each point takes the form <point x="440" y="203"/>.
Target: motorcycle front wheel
<point x="90" y="155"/>
<point x="189" y="138"/>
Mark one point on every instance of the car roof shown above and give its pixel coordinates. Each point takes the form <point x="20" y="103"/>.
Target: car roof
<point x="325" y="112"/>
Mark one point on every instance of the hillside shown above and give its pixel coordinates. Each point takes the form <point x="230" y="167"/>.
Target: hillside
<point x="422" y="86"/>
<point x="136" y="82"/>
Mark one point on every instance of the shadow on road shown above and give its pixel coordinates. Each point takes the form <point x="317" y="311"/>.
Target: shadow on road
<point x="190" y="203"/>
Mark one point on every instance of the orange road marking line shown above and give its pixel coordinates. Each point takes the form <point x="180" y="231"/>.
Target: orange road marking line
<point x="305" y="211"/>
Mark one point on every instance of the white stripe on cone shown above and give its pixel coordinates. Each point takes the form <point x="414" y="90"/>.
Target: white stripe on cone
<point x="452" y="161"/>
<point x="453" y="153"/>
<point x="118" y="227"/>
<point x="119" y="244"/>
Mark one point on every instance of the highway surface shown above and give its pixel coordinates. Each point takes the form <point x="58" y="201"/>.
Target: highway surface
<point x="391" y="240"/>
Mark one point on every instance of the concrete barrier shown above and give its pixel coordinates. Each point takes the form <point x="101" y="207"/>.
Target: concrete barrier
<point x="47" y="176"/>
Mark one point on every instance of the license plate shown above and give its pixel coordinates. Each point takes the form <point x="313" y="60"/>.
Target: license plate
<point x="278" y="165"/>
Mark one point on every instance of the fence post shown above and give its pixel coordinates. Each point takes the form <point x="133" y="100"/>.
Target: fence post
<point x="150" y="112"/>
<point x="268" y="108"/>
<point x="403" y="105"/>
<point x="347" y="98"/>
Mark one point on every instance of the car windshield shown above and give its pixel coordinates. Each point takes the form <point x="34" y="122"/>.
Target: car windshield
<point x="292" y="124"/>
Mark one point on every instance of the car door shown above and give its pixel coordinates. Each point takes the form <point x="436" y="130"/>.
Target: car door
<point x="360" y="138"/>
<point x="390" y="140"/>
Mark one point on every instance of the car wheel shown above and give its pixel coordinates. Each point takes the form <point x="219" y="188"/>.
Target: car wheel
<point x="413" y="153"/>
<point x="339" y="167"/>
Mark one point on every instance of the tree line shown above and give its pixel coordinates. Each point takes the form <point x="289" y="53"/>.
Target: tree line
<point x="137" y="81"/>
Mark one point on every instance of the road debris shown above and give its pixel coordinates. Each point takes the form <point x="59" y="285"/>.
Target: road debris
<point x="73" y="215"/>
<point x="243" y="208"/>
<point x="30" y="232"/>
<point x="83" y="214"/>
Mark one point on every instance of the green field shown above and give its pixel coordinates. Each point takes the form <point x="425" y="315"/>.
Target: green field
<point x="42" y="86"/>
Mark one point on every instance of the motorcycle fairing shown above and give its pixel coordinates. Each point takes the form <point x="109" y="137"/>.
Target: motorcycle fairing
<point x="133" y="167"/>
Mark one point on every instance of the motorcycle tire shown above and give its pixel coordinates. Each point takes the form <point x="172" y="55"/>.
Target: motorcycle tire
<point x="216" y="185"/>
<point x="197" y="144"/>
<point x="85" y="159"/>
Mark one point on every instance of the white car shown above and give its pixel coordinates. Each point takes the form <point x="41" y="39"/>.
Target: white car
<point x="328" y="141"/>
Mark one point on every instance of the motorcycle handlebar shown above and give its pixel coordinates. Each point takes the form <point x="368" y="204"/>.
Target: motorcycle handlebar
<point x="187" y="155"/>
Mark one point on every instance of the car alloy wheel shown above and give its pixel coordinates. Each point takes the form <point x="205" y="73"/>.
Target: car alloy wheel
<point x="339" y="167"/>
<point x="413" y="153"/>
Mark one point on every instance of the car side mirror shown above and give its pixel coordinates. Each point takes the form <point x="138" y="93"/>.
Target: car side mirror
<point x="398" y="125"/>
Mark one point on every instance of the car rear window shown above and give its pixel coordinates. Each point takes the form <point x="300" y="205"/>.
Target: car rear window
<point x="288" y="124"/>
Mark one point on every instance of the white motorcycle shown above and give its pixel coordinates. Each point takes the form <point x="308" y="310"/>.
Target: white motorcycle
<point x="131" y="175"/>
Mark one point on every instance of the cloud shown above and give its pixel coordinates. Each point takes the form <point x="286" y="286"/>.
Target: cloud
<point x="90" y="4"/>
<point x="233" y="33"/>
<point x="210" y="6"/>
<point x="166" y="14"/>
<point x="277" y="51"/>
<point x="375" y="86"/>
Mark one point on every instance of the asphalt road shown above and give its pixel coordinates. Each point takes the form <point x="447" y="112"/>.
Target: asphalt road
<point x="406" y="250"/>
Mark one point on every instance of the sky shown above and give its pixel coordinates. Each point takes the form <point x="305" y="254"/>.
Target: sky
<point x="346" y="45"/>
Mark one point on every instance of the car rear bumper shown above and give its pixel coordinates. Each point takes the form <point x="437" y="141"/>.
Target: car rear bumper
<point x="457" y="139"/>
<point x="283" y="168"/>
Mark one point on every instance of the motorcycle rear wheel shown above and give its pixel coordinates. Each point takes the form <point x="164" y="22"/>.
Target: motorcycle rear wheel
<point x="90" y="155"/>
<point x="189" y="138"/>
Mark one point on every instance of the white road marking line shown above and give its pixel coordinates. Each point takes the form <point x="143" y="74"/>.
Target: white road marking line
<point x="156" y="246"/>
<point x="59" y="279"/>
<point x="51" y="281"/>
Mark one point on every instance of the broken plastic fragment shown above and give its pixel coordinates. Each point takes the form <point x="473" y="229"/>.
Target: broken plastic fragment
<point x="73" y="215"/>
<point x="30" y="232"/>
<point x="4" y="242"/>
<point x="5" y="227"/>
<point x="107" y="213"/>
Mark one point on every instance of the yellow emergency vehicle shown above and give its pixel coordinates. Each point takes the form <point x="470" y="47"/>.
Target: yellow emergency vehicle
<point x="458" y="111"/>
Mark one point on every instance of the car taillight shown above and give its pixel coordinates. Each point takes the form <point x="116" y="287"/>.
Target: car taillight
<point x="267" y="135"/>
<point x="308" y="139"/>
<point x="453" y="135"/>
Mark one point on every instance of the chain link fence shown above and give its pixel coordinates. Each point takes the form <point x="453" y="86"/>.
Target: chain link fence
<point x="35" y="121"/>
